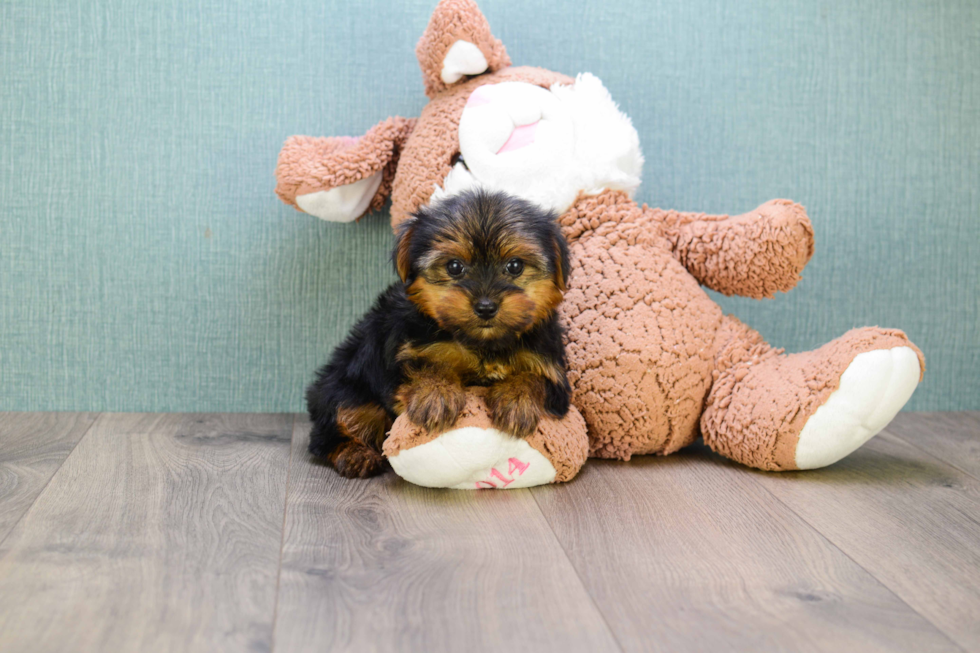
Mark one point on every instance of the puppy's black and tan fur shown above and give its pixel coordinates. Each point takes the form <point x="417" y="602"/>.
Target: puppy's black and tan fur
<point x="481" y="277"/>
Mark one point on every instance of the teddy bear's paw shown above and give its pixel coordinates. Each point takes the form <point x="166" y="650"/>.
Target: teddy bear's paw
<point x="343" y="203"/>
<point x="872" y="390"/>
<point x="473" y="458"/>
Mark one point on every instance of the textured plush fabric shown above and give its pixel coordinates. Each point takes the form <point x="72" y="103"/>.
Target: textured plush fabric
<point x="640" y="331"/>
<point x="642" y="390"/>
<point x="452" y="21"/>
<point x="643" y="338"/>
<point x="760" y="399"/>
<point x="307" y="164"/>
<point x="146" y="263"/>
<point x="435" y="142"/>
<point x="753" y="255"/>
<point x="562" y="442"/>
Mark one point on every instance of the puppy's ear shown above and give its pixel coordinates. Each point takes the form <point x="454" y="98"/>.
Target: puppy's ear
<point x="563" y="267"/>
<point x="457" y="44"/>
<point x="402" y="256"/>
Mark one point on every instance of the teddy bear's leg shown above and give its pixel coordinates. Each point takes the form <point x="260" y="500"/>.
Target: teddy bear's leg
<point x="473" y="455"/>
<point x="807" y="410"/>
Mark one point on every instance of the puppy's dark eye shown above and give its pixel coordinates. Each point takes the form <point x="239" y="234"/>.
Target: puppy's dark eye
<point x="515" y="266"/>
<point x="455" y="268"/>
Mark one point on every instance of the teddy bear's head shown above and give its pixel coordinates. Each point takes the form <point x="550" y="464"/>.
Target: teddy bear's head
<point x="530" y="132"/>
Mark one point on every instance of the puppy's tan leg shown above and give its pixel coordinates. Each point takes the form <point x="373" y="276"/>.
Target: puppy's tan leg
<point x="363" y="429"/>
<point x="517" y="404"/>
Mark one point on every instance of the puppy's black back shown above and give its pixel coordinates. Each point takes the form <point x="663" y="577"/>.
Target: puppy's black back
<point x="363" y="368"/>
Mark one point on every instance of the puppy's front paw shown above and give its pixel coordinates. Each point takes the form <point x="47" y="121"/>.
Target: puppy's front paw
<point x="354" y="460"/>
<point x="517" y="414"/>
<point x="434" y="405"/>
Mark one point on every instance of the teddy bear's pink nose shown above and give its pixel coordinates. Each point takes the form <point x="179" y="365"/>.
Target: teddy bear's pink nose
<point x="521" y="137"/>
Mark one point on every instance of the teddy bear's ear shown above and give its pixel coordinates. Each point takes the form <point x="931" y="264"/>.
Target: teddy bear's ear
<point x="457" y="44"/>
<point x="340" y="178"/>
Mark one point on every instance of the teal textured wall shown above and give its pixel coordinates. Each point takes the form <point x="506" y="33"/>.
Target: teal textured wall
<point x="145" y="263"/>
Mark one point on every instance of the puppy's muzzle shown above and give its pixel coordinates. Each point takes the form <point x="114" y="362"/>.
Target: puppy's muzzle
<point x="485" y="308"/>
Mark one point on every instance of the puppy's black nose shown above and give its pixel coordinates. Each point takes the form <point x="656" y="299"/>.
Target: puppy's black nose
<point x="485" y="308"/>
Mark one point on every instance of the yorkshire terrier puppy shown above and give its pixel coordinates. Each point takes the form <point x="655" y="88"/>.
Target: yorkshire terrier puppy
<point x="481" y="276"/>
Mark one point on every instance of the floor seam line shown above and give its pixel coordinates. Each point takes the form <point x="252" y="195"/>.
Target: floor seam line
<point x="577" y="574"/>
<point x="878" y="580"/>
<point x="13" y="528"/>
<point x="931" y="455"/>
<point x="282" y="537"/>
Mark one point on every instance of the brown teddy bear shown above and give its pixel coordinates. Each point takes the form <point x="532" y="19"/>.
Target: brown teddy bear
<point x="653" y="362"/>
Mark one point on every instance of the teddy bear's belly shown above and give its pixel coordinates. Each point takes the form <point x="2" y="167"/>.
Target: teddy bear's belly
<point x="640" y="342"/>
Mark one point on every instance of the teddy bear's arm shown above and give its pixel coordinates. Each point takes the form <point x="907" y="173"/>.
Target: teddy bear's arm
<point x="340" y="178"/>
<point x="752" y="255"/>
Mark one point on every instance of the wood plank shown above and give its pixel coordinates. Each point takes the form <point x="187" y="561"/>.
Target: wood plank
<point x="159" y="533"/>
<point x="954" y="438"/>
<point x="689" y="553"/>
<point x="382" y="565"/>
<point x="906" y="517"/>
<point x="32" y="448"/>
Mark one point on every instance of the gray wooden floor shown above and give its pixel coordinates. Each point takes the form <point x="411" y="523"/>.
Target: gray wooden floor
<point x="123" y="532"/>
